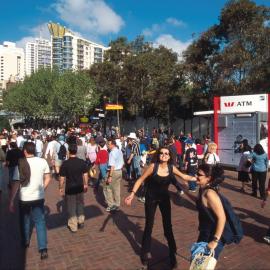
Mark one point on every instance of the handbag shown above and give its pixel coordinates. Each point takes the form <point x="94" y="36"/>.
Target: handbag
<point x="203" y="261"/>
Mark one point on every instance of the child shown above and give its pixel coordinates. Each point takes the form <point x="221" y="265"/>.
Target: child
<point x="191" y="163"/>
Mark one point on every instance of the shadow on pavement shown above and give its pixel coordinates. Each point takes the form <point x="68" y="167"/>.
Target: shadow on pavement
<point x="181" y="201"/>
<point x="250" y="229"/>
<point x="133" y="233"/>
<point x="12" y="255"/>
<point x="60" y="219"/>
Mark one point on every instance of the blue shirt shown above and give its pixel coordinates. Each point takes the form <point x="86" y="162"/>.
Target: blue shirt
<point x="259" y="162"/>
<point x="116" y="159"/>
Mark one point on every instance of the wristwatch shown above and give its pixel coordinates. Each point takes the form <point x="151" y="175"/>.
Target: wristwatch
<point x="215" y="239"/>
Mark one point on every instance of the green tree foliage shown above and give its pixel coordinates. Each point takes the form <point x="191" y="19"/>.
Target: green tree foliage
<point x="233" y="56"/>
<point x="51" y="93"/>
<point x="140" y="77"/>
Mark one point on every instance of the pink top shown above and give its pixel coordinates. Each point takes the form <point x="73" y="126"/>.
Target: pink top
<point x="92" y="152"/>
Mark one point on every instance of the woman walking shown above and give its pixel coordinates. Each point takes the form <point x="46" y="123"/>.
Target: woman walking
<point x="211" y="213"/>
<point x="259" y="169"/>
<point x="158" y="177"/>
<point x="244" y="164"/>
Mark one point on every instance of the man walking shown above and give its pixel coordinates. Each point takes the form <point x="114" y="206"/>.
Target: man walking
<point x="34" y="179"/>
<point x="111" y="187"/>
<point x="135" y="157"/>
<point x="74" y="173"/>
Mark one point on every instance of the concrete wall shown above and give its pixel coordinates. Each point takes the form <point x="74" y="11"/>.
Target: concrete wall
<point x="198" y="126"/>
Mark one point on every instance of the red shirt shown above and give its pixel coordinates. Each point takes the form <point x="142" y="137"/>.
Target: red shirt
<point x="199" y="149"/>
<point x="102" y="157"/>
<point x="178" y="147"/>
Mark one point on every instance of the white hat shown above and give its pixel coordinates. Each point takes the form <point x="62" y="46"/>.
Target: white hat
<point x="132" y="135"/>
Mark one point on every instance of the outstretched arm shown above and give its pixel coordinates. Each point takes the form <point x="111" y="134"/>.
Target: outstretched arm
<point x="138" y="183"/>
<point x="185" y="177"/>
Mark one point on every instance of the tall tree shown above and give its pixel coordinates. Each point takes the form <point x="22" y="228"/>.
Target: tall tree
<point x="231" y="57"/>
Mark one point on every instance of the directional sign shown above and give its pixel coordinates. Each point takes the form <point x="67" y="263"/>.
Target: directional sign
<point x="114" y="107"/>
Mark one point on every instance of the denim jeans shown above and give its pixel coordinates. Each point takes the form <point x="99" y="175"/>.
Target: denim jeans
<point x="192" y="184"/>
<point x="102" y="174"/>
<point x="136" y="166"/>
<point x="33" y="210"/>
<point x="103" y="171"/>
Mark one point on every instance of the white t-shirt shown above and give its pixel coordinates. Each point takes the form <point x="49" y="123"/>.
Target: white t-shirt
<point x="213" y="159"/>
<point x="35" y="189"/>
<point x="39" y="146"/>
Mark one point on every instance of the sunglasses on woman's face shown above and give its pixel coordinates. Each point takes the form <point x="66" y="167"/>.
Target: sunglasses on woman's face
<point x="164" y="153"/>
<point x="199" y="174"/>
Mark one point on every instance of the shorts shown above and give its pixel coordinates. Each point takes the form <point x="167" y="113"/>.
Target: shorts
<point x="58" y="162"/>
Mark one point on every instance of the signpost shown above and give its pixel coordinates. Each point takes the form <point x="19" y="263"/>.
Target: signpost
<point x="115" y="107"/>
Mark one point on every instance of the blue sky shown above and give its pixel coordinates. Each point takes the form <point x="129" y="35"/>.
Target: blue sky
<point x="171" y="23"/>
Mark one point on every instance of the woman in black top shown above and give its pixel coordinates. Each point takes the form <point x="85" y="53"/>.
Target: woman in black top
<point x="211" y="213"/>
<point x="159" y="176"/>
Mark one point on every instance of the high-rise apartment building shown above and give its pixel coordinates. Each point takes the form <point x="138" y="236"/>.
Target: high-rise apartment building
<point x="11" y="62"/>
<point x="38" y="55"/>
<point x="11" y="65"/>
<point x="70" y="51"/>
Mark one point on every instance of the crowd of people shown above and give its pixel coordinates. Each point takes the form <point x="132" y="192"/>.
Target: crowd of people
<point x="79" y="158"/>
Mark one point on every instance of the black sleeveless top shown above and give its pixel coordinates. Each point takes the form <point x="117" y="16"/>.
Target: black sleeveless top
<point x="157" y="187"/>
<point x="207" y="218"/>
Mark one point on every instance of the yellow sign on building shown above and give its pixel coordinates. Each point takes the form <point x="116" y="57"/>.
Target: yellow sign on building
<point x="114" y="107"/>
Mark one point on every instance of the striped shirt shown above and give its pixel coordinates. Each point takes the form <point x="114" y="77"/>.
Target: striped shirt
<point x="135" y="148"/>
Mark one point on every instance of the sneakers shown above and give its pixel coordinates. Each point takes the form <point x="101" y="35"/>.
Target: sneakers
<point x="115" y="208"/>
<point x="267" y="239"/>
<point x="141" y="199"/>
<point x="72" y="231"/>
<point x="43" y="254"/>
<point x="112" y="208"/>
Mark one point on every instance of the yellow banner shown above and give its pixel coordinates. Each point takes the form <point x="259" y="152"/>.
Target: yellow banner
<point x="114" y="107"/>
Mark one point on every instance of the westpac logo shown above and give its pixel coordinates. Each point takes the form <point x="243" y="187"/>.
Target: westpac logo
<point x="228" y="104"/>
<point x="238" y="104"/>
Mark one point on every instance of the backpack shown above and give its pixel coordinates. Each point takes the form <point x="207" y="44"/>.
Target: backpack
<point x="62" y="153"/>
<point x="233" y="231"/>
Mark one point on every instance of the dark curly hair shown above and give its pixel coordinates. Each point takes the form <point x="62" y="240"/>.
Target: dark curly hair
<point x="258" y="149"/>
<point x="216" y="173"/>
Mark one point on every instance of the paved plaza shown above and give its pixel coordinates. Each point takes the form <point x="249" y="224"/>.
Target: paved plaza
<point x="112" y="241"/>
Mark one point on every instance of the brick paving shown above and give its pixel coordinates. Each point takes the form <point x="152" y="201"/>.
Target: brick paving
<point x="112" y="241"/>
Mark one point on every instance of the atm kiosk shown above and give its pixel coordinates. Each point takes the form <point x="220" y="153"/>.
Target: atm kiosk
<point x="237" y="118"/>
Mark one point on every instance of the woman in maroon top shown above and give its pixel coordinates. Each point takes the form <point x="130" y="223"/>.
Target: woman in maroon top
<point x="102" y="161"/>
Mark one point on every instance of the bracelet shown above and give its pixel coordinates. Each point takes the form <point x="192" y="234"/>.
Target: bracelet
<point x="215" y="239"/>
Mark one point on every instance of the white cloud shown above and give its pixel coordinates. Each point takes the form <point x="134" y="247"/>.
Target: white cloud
<point x="35" y="32"/>
<point x="175" y="22"/>
<point x="170" y="42"/>
<point x="155" y="28"/>
<point x="89" y="16"/>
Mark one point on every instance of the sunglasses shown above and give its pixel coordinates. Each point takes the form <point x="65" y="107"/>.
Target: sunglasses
<point x="164" y="153"/>
<point x="199" y="174"/>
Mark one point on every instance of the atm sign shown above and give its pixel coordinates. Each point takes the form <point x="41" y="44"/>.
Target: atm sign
<point x="243" y="104"/>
